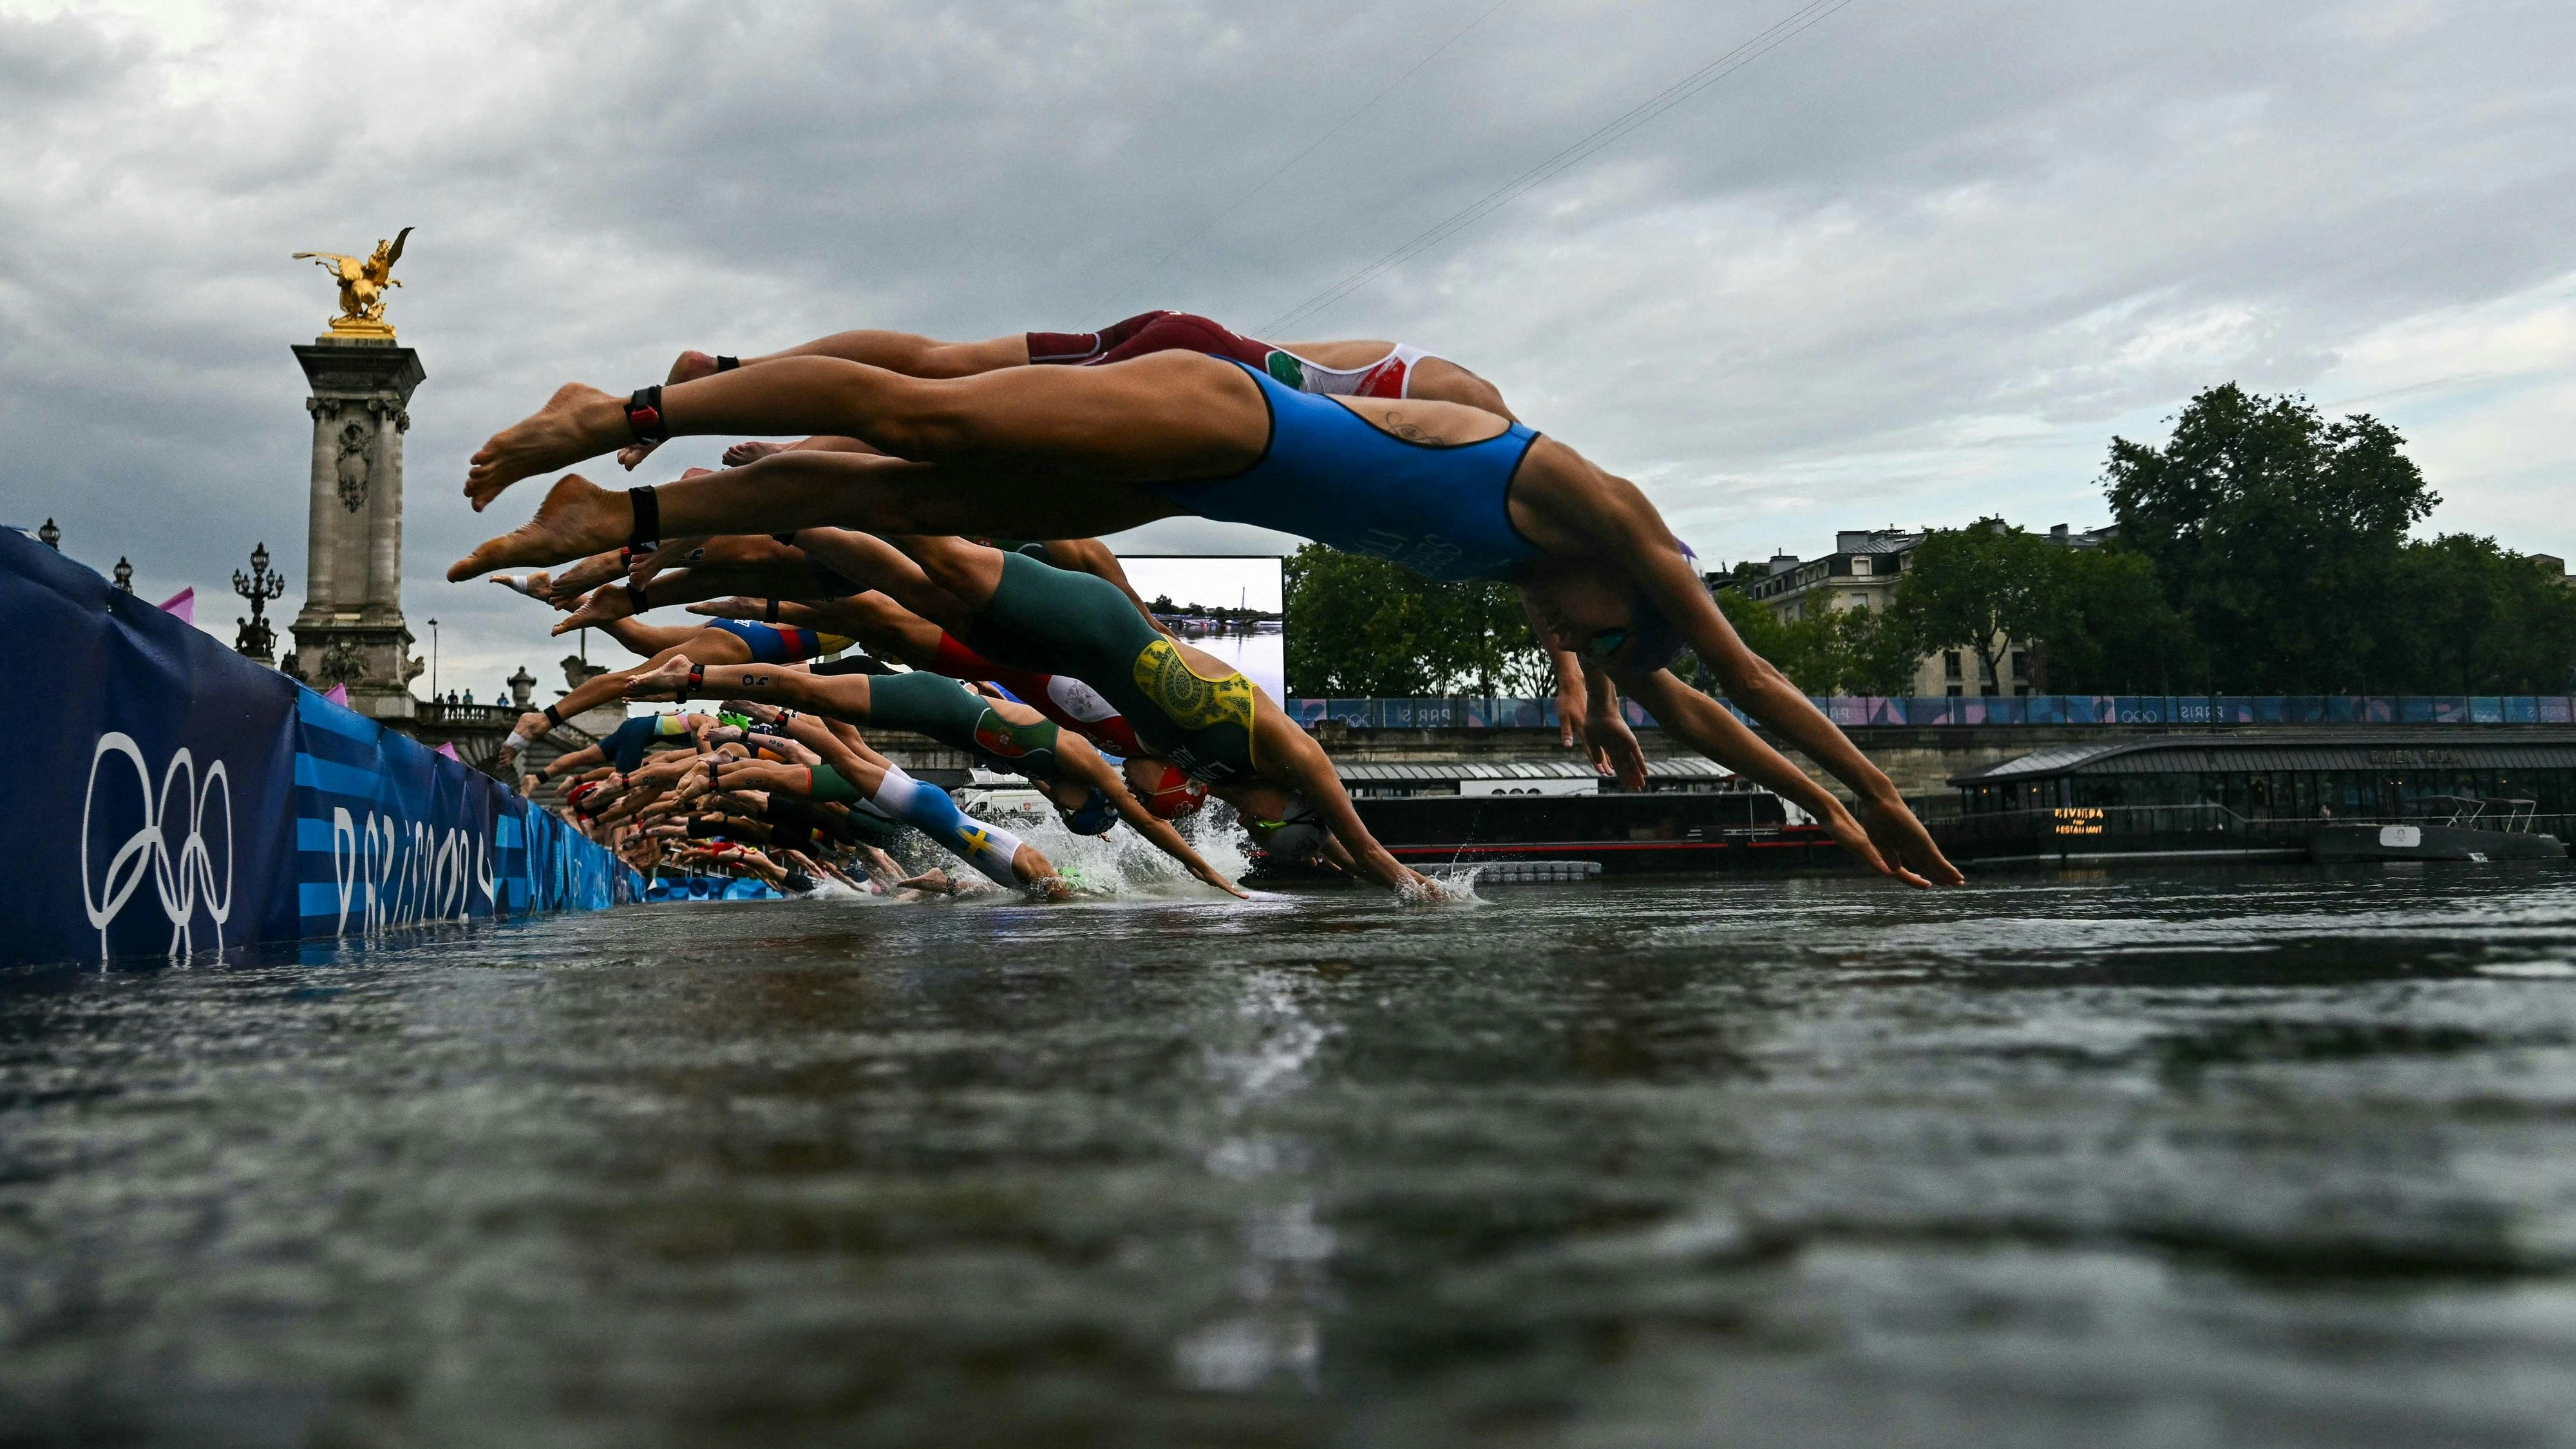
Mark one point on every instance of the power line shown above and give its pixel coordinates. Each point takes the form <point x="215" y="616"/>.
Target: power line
<point x="1778" y="33"/>
<point x="1100" y="309"/>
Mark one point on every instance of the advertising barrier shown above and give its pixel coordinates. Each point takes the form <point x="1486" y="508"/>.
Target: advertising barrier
<point x="174" y="797"/>
<point x="1987" y="710"/>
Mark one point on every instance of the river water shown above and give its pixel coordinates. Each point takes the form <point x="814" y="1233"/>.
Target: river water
<point x="2143" y="1158"/>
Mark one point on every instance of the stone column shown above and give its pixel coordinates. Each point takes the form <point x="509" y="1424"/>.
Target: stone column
<point x="351" y="629"/>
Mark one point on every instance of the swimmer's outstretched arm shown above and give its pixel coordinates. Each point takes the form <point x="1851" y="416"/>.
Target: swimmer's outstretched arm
<point x="1627" y="528"/>
<point x="1605" y="735"/>
<point x="1086" y="764"/>
<point x="1706" y="726"/>
<point x="1291" y="757"/>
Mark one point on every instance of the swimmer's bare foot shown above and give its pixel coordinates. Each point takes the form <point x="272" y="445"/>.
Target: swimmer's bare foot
<point x="570" y="584"/>
<point x="669" y="681"/>
<point x="578" y="422"/>
<point x="578" y="518"/>
<point x="736" y="607"/>
<point x="751" y="452"/>
<point x="536" y="585"/>
<point x="603" y="606"/>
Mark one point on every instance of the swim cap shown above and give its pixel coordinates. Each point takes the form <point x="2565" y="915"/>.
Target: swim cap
<point x="1175" y="795"/>
<point x="1651" y="640"/>
<point x="1300" y="834"/>
<point x="1094" y="817"/>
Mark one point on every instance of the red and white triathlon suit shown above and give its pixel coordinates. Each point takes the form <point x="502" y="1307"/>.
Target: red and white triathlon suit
<point x="1388" y="377"/>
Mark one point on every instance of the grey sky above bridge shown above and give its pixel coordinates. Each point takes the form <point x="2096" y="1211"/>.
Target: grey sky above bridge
<point x="1916" y="265"/>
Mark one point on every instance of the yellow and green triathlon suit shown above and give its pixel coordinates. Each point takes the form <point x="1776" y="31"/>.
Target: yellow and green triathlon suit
<point x="1063" y="622"/>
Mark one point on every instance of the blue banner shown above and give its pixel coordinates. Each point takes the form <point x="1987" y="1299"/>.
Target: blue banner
<point x="175" y="797"/>
<point x="1852" y="711"/>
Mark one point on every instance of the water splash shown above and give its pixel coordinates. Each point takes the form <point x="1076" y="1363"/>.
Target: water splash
<point x="1117" y="865"/>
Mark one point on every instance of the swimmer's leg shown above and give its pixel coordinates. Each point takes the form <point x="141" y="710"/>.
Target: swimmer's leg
<point x="798" y="490"/>
<point x="1171" y="415"/>
<point x="649" y="639"/>
<point x="1001" y="856"/>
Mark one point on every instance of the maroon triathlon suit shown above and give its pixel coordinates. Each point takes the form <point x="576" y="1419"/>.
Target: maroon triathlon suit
<point x="1388" y="377"/>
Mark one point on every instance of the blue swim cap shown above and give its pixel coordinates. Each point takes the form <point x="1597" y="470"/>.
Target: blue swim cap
<point x="1095" y="817"/>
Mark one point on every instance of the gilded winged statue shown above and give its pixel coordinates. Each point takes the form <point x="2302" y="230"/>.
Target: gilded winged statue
<point x="362" y="284"/>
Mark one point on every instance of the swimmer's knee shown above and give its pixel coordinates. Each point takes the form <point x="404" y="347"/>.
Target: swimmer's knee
<point x="908" y="417"/>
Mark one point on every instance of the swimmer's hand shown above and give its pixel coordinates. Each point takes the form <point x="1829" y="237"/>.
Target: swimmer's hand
<point x="1572" y="710"/>
<point x="1421" y="890"/>
<point x="1613" y="746"/>
<point x="1905" y="847"/>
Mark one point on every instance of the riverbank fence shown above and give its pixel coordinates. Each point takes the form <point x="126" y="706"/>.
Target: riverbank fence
<point x="2158" y="711"/>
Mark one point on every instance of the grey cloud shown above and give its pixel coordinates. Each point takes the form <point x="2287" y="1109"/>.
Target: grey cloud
<point x="1917" y="263"/>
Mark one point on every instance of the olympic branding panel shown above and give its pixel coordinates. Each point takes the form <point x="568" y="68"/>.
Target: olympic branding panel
<point x="182" y="800"/>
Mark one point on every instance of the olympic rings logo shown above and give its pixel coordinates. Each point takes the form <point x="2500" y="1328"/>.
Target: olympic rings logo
<point x="180" y="872"/>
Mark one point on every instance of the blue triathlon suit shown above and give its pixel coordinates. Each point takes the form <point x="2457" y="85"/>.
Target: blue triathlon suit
<point x="779" y="643"/>
<point x="627" y="744"/>
<point x="1331" y="475"/>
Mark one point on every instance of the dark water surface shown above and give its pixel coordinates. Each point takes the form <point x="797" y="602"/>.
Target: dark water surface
<point x="2137" y="1159"/>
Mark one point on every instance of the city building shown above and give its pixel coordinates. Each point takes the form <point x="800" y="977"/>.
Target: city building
<point x="1862" y="573"/>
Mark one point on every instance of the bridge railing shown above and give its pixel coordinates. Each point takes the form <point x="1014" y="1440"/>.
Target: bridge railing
<point x="2079" y="828"/>
<point x="1982" y="711"/>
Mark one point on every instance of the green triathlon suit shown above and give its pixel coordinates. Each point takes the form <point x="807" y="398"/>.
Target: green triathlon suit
<point x="949" y="712"/>
<point x="1062" y="622"/>
<point x="833" y="787"/>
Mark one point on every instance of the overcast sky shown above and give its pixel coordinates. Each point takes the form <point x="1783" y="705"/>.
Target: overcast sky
<point x="1917" y="264"/>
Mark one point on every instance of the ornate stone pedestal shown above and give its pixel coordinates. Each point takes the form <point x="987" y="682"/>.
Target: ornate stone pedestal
<point x="351" y="630"/>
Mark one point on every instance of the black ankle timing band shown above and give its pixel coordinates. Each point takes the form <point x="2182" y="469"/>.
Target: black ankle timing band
<point x="697" y="677"/>
<point x="770" y="614"/>
<point x="554" y="716"/>
<point x="727" y="364"/>
<point x="635" y="597"/>
<point x="647" y="533"/>
<point x="644" y="414"/>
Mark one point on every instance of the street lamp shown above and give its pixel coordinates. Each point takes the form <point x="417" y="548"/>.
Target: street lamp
<point x="433" y="661"/>
<point x="50" y="536"/>
<point x="257" y="639"/>
<point x="124" y="574"/>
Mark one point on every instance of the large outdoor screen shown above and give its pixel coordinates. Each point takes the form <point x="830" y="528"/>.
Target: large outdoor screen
<point x="1226" y="605"/>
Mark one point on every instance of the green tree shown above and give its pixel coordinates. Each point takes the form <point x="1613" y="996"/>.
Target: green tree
<point x="2108" y="629"/>
<point x="1824" y="650"/>
<point x="2276" y="534"/>
<point x="1363" y="626"/>
<point x="1978" y="588"/>
<point x="2474" y="619"/>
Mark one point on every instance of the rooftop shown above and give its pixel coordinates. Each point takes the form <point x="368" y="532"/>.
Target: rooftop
<point x="2533" y="749"/>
